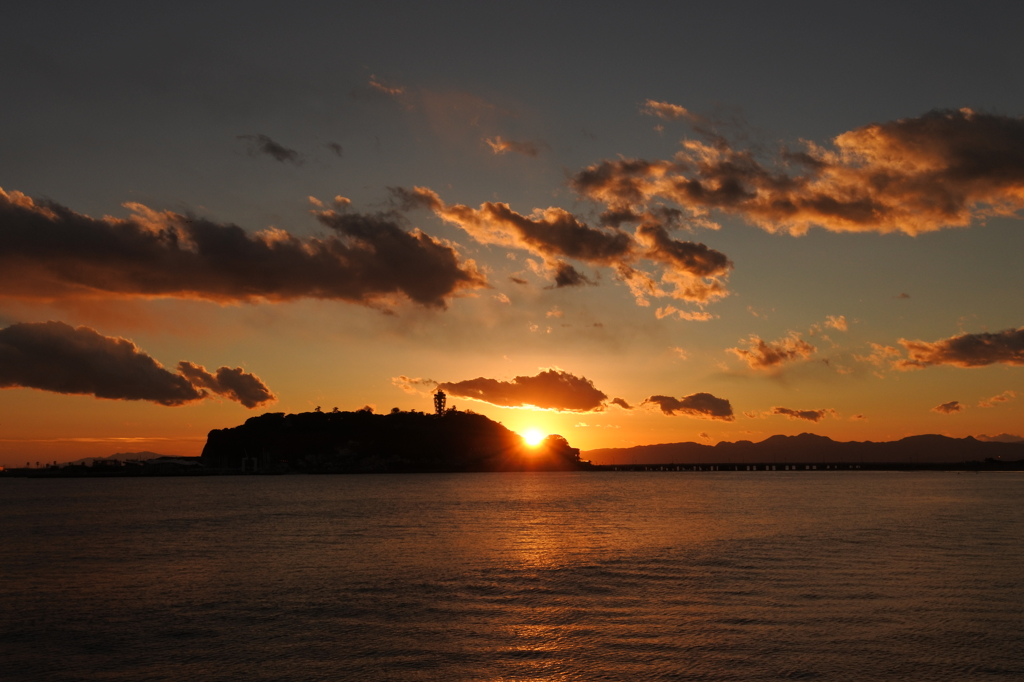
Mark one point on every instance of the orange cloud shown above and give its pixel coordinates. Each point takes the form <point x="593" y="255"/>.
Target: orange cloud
<point x="951" y="407"/>
<point x="966" y="350"/>
<point x="551" y="389"/>
<point x="409" y="385"/>
<point x="49" y="251"/>
<point x="697" y="405"/>
<point x="763" y="355"/>
<point x="692" y="316"/>
<point x="913" y="175"/>
<point x="54" y="356"/>
<point x="665" y="110"/>
<point x="880" y="355"/>
<point x="690" y="270"/>
<point x="836" y="322"/>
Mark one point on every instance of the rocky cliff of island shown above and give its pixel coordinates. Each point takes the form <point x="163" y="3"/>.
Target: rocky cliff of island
<point x="364" y="442"/>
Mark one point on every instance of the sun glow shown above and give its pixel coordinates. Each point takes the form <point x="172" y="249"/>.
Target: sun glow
<point x="533" y="437"/>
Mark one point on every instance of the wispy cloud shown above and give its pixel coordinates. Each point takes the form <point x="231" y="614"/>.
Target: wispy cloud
<point x="499" y="145"/>
<point x="261" y="144"/>
<point x="691" y="315"/>
<point x="392" y="90"/>
<point x="665" y="110"/>
<point x="414" y="386"/>
<point x="1004" y="397"/>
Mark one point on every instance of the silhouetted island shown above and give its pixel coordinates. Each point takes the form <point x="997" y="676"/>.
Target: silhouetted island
<point x="364" y="442"/>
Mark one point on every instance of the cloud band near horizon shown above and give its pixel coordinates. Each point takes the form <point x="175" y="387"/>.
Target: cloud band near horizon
<point x="966" y="350"/>
<point x="696" y="405"/>
<point x="551" y="389"/>
<point x="49" y="251"/>
<point x="56" y="357"/>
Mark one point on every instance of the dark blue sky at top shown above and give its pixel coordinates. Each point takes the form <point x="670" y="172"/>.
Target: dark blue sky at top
<point x="127" y="97"/>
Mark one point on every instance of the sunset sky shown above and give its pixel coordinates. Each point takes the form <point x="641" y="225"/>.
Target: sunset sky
<point x="626" y="224"/>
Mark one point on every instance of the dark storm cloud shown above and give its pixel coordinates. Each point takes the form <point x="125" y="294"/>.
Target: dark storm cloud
<point x="47" y="250"/>
<point x="261" y="144"/>
<point x="966" y="350"/>
<point x="56" y="357"/>
<point x="551" y="389"/>
<point x="941" y="169"/>
<point x="763" y="355"/>
<point x="691" y="270"/>
<point x="697" y="405"/>
<point x="952" y="407"/>
<point x="809" y="415"/>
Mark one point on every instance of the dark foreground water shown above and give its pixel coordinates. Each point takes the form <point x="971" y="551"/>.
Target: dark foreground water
<point x="568" y="576"/>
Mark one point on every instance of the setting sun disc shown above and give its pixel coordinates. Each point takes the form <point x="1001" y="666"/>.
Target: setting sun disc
<point x="533" y="437"/>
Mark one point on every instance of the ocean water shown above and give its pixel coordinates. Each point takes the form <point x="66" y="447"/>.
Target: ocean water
<point x="502" y="577"/>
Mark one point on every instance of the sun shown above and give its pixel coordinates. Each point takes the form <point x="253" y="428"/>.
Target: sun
<point x="533" y="437"/>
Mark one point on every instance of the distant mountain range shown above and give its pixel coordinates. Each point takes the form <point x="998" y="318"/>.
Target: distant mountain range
<point x="122" y="456"/>
<point x="808" y="447"/>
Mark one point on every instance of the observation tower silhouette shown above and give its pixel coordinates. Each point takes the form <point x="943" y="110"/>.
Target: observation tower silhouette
<point x="439" y="399"/>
